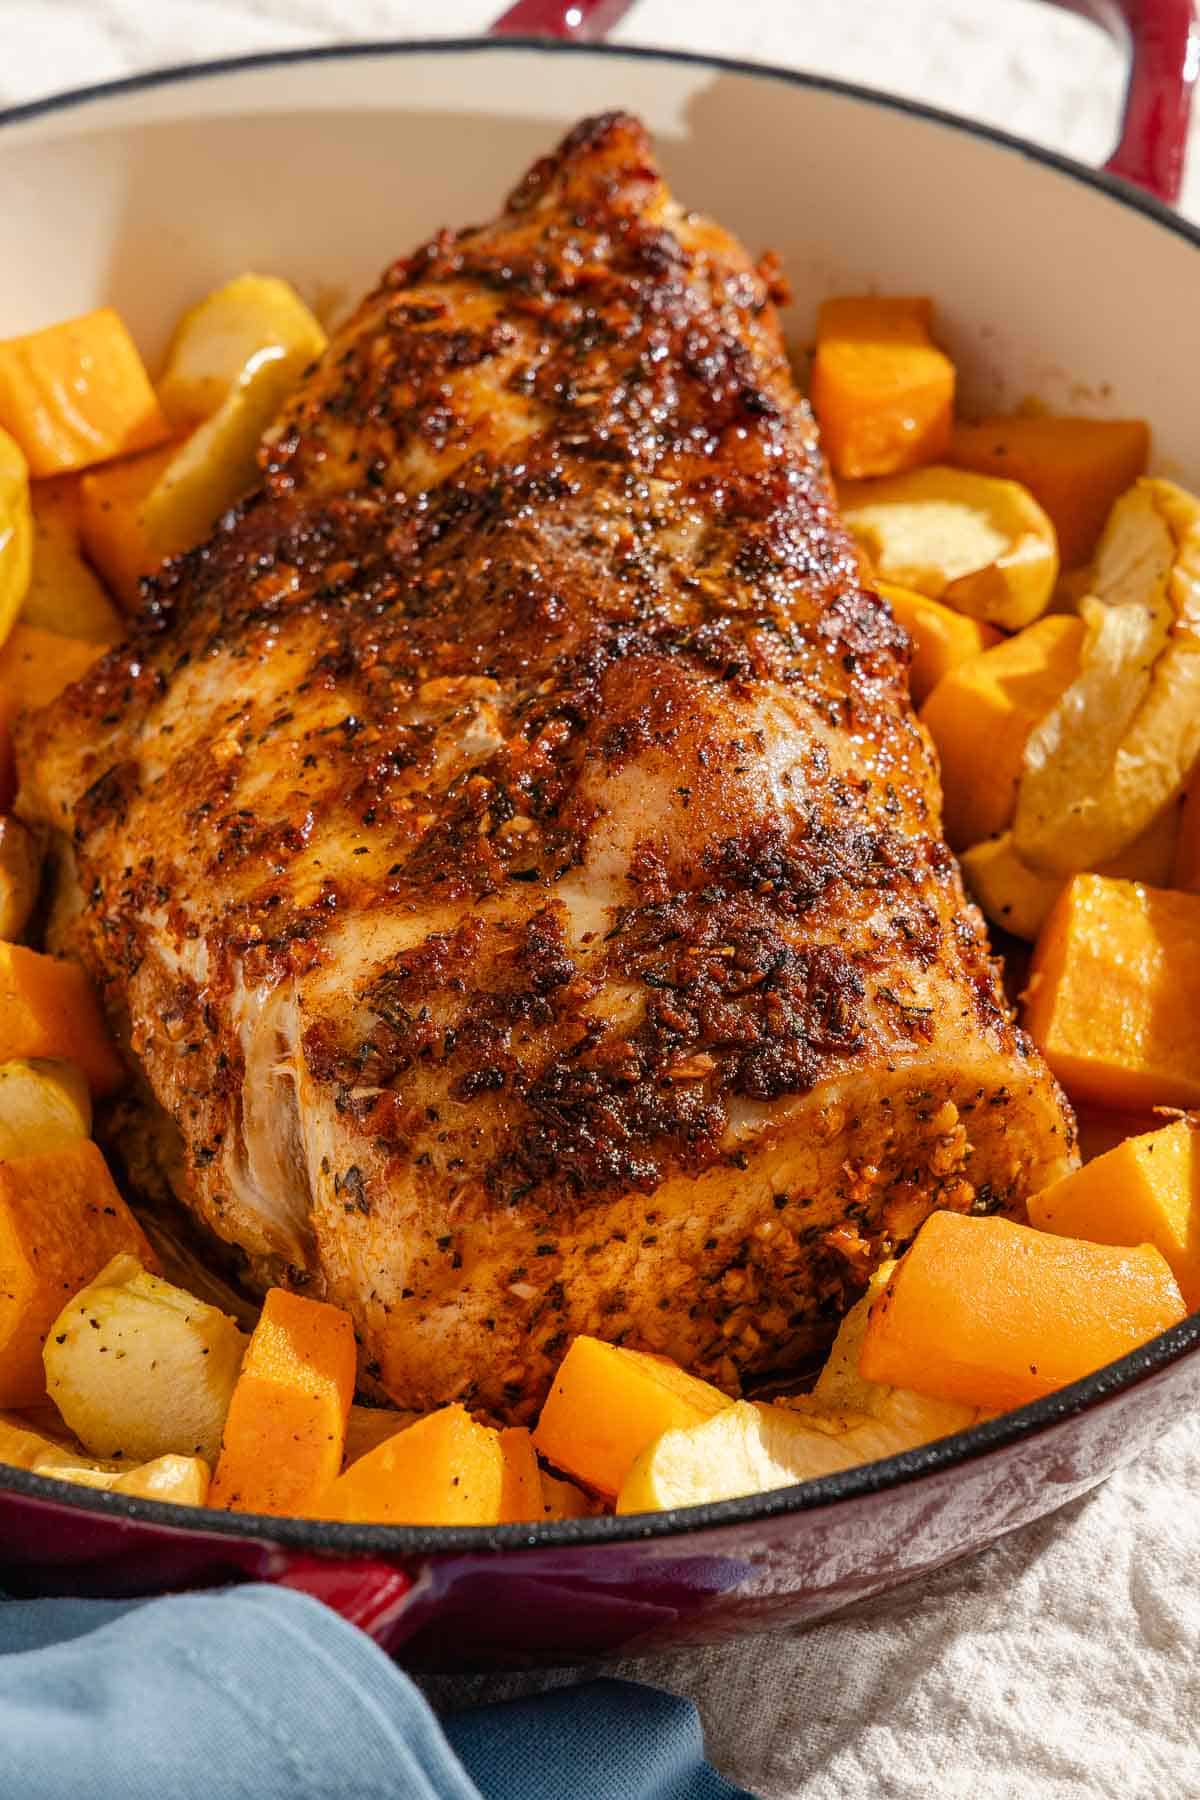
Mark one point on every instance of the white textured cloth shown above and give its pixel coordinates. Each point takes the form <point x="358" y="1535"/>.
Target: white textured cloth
<point x="1063" y="1664"/>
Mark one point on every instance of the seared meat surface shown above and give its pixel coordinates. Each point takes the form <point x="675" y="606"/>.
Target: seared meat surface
<point x="507" y="846"/>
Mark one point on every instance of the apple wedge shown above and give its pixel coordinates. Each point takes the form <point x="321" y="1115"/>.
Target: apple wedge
<point x="1119" y="745"/>
<point x="138" y="1366"/>
<point x="749" y="1447"/>
<point x="982" y="546"/>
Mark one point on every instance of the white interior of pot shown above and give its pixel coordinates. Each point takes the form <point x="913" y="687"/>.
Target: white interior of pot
<point x="325" y="170"/>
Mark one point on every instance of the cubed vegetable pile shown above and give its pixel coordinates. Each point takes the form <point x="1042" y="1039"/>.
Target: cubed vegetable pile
<point x="1051" y="592"/>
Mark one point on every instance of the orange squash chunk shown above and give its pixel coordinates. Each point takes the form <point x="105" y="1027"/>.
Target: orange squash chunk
<point x="47" y="1008"/>
<point x="980" y="716"/>
<point x="286" y="1426"/>
<point x="444" y="1470"/>
<point x="61" y="1220"/>
<point x="78" y="393"/>
<point x="607" y="1404"/>
<point x="1113" y="999"/>
<point x="111" y="523"/>
<point x="65" y="595"/>
<point x="993" y="1314"/>
<point x="882" y="391"/>
<point x="1144" y="1191"/>
<point x="941" y="637"/>
<point x="521" y="1496"/>
<point x="35" y="667"/>
<point x="1075" y="468"/>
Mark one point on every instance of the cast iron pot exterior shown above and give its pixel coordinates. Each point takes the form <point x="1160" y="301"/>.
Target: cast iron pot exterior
<point x="510" y="1596"/>
<point x="592" y="1588"/>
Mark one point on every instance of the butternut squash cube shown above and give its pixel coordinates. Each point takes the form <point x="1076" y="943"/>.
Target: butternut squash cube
<point x="941" y="637"/>
<point x="78" y="393"/>
<point x="64" y="595"/>
<point x="48" y="1009"/>
<point x="113" y="520"/>
<point x="61" y="1219"/>
<point x="444" y="1470"/>
<point x="993" y="1314"/>
<point x="521" y="1497"/>
<point x="882" y="391"/>
<point x="285" y="1430"/>
<point x="16" y="533"/>
<point x="1113" y="999"/>
<point x="608" y="1403"/>
<point x="1145" y="1191"/>
<point x="35" y="667"/>
<point x="1075" y="468"/>
<point x="981" y="714"/>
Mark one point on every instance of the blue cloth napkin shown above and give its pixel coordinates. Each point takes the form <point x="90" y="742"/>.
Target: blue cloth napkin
<point x="262" y="1693"/>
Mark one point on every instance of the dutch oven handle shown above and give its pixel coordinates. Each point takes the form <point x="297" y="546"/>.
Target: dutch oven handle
<point x="1164" y="41"/>
<point x="370" y="1593"/>
<point x="1163" y="38"/>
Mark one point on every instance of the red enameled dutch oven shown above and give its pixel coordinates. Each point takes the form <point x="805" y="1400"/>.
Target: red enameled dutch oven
<point x="1080" y="287"/>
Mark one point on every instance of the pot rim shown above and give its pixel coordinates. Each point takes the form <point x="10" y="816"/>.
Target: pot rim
<point x="965" y="1447"/>
<point x="1106" y="1384"/>
<point x="172" y="74"/>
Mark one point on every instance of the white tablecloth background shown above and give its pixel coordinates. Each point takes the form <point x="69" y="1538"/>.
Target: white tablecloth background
<point x="1064" y="1663"/>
